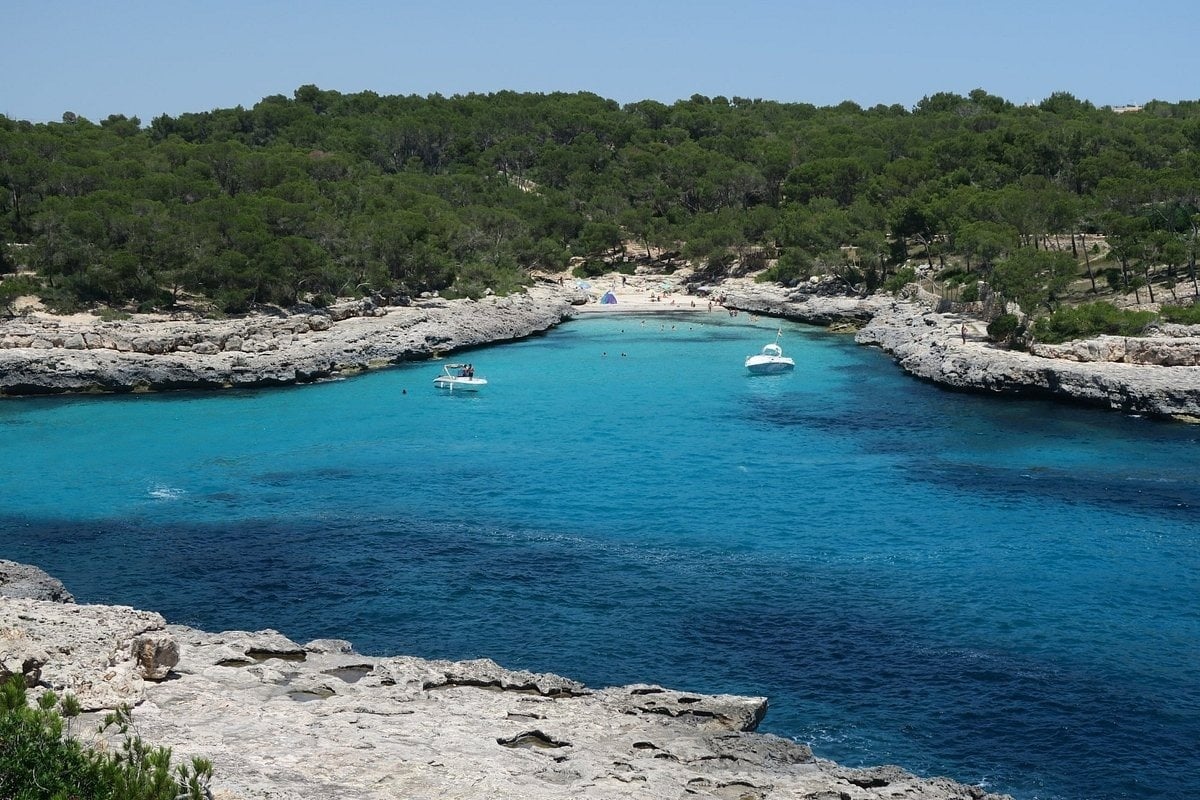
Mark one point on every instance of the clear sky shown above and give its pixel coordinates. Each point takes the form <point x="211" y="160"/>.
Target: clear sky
<point x="149" y="57"/>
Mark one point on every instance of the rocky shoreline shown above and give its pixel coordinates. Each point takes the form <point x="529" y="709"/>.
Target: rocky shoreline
<point x="1156" y="375"/>
<point x="284" y="720"/>
<point x="47" y="355"/>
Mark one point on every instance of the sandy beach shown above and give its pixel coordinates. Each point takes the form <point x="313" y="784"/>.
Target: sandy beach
<point x="637" y="294"/>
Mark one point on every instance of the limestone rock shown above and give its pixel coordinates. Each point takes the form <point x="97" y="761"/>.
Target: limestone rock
<point x="163" y="354"/>
<point x="156" y="653"/>
<point x="20" y="656"/>
<point x="24" y="580"/>
<point x="927" y="345"/>
<point x="279" y="720"/>
<point x="91" y="649"/>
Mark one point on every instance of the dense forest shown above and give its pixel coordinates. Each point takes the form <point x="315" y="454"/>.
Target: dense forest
<point x="325" y="194"/>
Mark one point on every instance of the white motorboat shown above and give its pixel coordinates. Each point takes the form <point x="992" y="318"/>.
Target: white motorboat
<point x="459" y="378"/>
<point x="770" y="360"/>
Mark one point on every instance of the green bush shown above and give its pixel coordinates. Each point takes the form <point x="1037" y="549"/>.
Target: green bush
<point x="36" y="760"/>
<point x="1090" y="319"/>
<point x="107" y="314"/>
<point x="792" y="267"/>
<point x="14" y="287"/>
<point x="1004" y="328"/>
<point x="591" y="268"/>
<point x="1182" y="315"/>
<point x="901" y="278"/>
<point x="953" y="275"/>
<point x="39" y="762"/>
<point x="970" y="292"/>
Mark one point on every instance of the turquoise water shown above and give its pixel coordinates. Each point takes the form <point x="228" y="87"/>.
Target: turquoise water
<point x="1000" y="591"/>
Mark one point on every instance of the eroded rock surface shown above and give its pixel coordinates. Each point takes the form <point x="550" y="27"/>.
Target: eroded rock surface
<point x="46" y="355"/>
<point x="284" y="720"/>
<point x="929" y="345"/>
<point x="25" y="580"/>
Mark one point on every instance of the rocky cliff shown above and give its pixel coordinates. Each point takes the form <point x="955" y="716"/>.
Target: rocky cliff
<point x="930" y="346"/>
<point x="45" y="355"/>
<point x="1155" y="374"/>
<point x="284" y="720"/>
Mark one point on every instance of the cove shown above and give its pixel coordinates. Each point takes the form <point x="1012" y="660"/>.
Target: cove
<point x="1002" y="591"/>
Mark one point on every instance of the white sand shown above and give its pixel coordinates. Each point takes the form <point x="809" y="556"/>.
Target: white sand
<point x="640" y="294"/>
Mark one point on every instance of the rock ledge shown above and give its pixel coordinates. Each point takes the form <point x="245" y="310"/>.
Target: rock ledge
<point x="284" y="720"/>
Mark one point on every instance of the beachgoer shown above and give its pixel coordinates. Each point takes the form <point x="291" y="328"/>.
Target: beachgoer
<point x="963" y="331"/>
<point x="622" y="280"/>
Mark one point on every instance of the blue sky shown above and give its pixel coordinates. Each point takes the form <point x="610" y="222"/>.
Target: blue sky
<point x="153" y="57"/>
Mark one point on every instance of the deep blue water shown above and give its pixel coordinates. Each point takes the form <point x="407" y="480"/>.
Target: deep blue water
<point x="1003" y="591"/>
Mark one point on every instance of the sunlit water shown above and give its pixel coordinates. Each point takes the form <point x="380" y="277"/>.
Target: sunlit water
<point x="1006" y="592"/>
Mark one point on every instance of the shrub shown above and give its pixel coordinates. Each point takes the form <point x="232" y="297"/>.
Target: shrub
<point x="953" y="275"/>
<point x="37" y="762"/>
<point x="792" y="267"/>
<point x="1004" y="328"/>
<point x="591" y="268"/>
<point x="1183" y="315"/>
<point x="108" y="314"/>
<point x="1090" y="319"/>
<point x="901" y="278"/>
<point x="970" y="292"/>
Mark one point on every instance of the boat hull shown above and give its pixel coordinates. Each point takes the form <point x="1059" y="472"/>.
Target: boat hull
<point x="769" y="366"/>
<point x="456" y="384"/>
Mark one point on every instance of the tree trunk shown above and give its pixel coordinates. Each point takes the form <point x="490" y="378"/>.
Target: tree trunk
<point x="1087" y="260"/>
<point x="1192" y="261"/>
<point x="1149" y="285"/>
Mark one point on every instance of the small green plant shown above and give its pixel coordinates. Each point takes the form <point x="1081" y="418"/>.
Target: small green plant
<point x="39" y="760"/>
<point x="970" y="292"/>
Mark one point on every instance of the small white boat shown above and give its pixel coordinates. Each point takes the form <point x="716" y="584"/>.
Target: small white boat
<point x="459" y="378"/>
<point x="770" y="360"/>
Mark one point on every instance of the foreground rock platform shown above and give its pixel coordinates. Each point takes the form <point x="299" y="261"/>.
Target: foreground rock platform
<point x="284" y="720"/>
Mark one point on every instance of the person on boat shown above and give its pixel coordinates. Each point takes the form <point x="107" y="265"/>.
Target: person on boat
<point x="470" y="370"/>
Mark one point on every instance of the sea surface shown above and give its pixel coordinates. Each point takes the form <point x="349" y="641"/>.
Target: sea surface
<point x="1006" y="592"/>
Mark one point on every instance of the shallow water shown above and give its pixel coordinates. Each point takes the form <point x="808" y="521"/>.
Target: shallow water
<point x="1000" y="591"/>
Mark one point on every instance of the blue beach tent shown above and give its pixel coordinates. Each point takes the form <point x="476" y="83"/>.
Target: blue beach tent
<point x="609" y="299"/>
